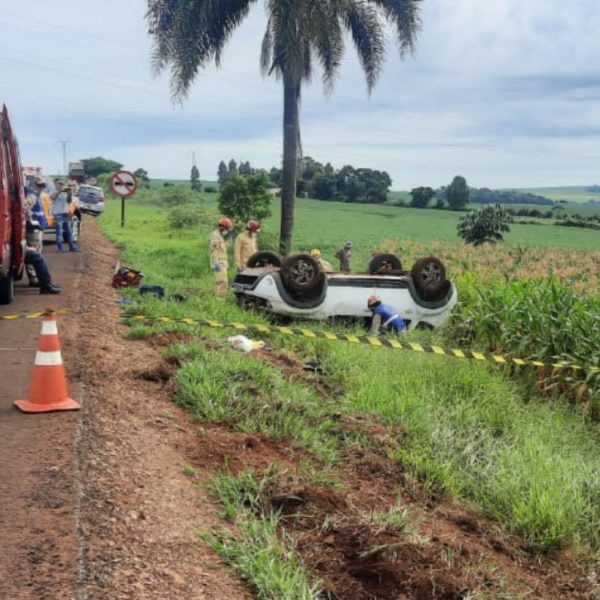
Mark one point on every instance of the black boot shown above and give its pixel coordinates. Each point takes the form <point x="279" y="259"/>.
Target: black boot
<point x="50" y="288"/>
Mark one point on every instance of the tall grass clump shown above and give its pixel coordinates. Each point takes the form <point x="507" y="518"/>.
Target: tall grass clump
<point x="261" y="551"/>
<point x="250" y="395"/>
<point x="545" y="320"/>
<point x="532" y="465"/>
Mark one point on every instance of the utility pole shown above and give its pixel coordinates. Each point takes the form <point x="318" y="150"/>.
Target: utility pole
<point x="64" y="143"/>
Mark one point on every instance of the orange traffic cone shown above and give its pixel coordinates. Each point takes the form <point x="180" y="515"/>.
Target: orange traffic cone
<point x="48" y="391"/>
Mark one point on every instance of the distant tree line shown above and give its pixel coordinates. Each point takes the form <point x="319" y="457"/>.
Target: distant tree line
<point x="320" y="181"/>
<point x="487" y="196"/>
<point x="455" y="196"/>
<point x="348" y="184"/>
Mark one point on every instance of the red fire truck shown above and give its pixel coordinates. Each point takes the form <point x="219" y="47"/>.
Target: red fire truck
<point x="12" y="211"/>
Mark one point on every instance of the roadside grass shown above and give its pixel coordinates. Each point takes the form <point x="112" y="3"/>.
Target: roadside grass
<point x="260" y="551"/>
<point x="534" y="466"/>
<point x="245" y="392"/>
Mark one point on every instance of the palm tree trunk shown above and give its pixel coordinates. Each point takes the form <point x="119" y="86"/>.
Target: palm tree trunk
<point x="290" y="149"/>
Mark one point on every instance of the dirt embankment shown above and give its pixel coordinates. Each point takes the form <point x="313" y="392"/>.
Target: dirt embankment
<point x="130" y="514"/>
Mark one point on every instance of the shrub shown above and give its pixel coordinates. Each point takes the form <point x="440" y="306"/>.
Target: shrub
<point x="485" y="225"/>
<point x="177" y="197"/>
<point x="245" y="198"/>
<point x="189" y="215"/>
<point x="210" y="189"/>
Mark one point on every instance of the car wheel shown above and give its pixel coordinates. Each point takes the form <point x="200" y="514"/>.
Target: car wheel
<point x="7" y="289"/>
<point x="264" y="258"/>
<point x="301" y="273"/>
<point x="428" y="274"/>
<point x="381" y="263"/>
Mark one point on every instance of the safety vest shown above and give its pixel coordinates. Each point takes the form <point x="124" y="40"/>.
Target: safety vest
<point x="390" y="318"/>
<point x="37" y="218"/>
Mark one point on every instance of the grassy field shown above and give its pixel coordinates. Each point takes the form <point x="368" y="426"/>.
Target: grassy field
<point x="570" y="194"/>
<point x="521" y="447"/>
<point x="327" y="225"/>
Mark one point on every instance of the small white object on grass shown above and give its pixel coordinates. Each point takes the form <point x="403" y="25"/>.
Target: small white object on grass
<point x="241" y="342"/>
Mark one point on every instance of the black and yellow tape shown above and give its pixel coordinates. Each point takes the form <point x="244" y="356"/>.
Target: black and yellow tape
<point x="381" y="342"/>
<point x="394" y="343"/>
<point x="25" y="315"/>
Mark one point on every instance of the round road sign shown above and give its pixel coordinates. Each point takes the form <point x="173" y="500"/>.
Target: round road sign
<point x="123" y="183"/>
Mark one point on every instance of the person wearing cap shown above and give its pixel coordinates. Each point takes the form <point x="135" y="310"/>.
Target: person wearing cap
<point x="344" y="255"/>
<point x="60" y="211"/>
<point x="35" y="223"/>
<point x="246" y="244"/>
<point x="323" y="264"/>
<point x="217" y="248"/>
<point x="385" y="318"/>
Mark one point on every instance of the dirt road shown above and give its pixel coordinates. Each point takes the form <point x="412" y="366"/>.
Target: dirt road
<point x="95" y="503"/>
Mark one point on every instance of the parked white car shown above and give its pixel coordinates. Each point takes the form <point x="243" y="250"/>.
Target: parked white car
<point x="296" y="287"/>
<point x="91" y="199"/>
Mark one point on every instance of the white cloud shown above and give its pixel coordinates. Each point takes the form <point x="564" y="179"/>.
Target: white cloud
<point x="505" y="92"/>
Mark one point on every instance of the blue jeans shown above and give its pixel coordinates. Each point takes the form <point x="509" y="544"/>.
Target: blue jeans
<point x="36" y="260"/>
<point x="63" y="224"/>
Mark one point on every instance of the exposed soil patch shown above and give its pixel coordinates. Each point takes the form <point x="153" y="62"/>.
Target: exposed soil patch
<point x="140" y="511"/>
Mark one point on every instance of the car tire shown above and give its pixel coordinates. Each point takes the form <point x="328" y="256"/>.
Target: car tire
<point x="264" y="258"/>
<point x="301" y="273"/>
<point x="7" y="289"/>
<point x="382" y="263"/>
<point x="428" y="275"/>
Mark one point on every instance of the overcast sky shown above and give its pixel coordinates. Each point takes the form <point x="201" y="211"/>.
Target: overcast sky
<point x="503" y="92"/>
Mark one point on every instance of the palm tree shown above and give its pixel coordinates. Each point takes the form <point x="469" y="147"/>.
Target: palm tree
<point x="189" y="34"/>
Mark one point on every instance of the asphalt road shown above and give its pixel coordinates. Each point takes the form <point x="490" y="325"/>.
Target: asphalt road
<point x="38" y="543"/>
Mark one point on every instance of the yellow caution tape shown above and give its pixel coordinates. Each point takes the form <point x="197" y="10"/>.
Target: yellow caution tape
<point x="28" y="315"/>
<point x="387" y="342"/>
<point x="379" y="342"/>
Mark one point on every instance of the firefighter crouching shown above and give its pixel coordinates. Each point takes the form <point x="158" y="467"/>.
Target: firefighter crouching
<point x="217" y="249"/>
<point x="246" y="244"/>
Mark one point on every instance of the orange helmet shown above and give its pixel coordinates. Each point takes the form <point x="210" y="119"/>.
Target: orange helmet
<point x="373" y="301"/>
<point x="226" y="223"/>
<point x="253" y="226"/>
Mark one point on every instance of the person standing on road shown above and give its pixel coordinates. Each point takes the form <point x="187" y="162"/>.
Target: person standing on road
<point x="385" y="318"/>
<point x="60" y="211"/>
<point x="35" y="261"/>
<point x="344" y="255"/>
<point x="246" y="244"/>
<point x="35" y="223"/>
<point x="217" y="248"/>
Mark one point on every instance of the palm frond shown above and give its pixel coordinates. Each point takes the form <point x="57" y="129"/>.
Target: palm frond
<point x="266" y="51"/>
<point x="189" y="34"/>
<point x="404" y="17"/>
<point x="367" y="34"/>
<point x="326" y="36"/>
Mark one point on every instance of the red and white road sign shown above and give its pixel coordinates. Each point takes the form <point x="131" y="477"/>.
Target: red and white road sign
<point x="123" y="183"/>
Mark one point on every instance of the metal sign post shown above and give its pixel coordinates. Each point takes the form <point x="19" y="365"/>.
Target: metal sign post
<point x="123" y="184"/>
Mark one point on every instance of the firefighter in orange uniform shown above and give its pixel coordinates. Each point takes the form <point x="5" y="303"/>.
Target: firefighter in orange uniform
<point x="217" y="248"/>
<point x="246" y="244"/>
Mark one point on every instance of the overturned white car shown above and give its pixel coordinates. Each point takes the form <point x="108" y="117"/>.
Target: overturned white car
<point x="297" y="287"/>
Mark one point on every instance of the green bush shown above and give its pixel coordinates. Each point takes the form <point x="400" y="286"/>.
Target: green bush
<point x="210" y="189"/>
<point x="177" y="197"/>
<point x="245" y="198"/>
<point x="189" y="215"/>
